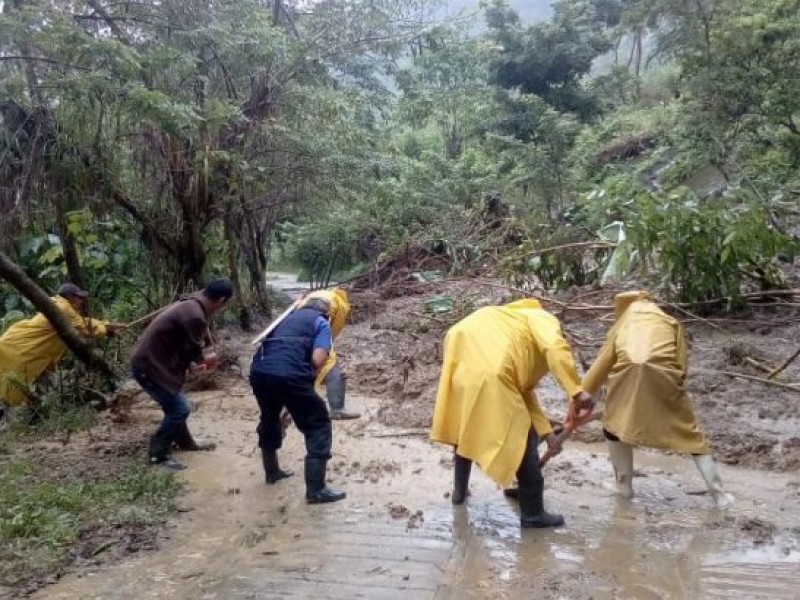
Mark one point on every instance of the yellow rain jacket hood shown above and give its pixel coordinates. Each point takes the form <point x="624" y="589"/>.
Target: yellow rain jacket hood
<point x="339" y="314"/>
<point x="644" y="361"/>
<point x="486" y="403"/>
<point x="28" y="348"/>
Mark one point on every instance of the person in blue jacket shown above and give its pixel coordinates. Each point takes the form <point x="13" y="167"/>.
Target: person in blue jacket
<point x="282" y="376"/>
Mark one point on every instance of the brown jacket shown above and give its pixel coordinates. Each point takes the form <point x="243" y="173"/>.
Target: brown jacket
<point x="172" y="341"/>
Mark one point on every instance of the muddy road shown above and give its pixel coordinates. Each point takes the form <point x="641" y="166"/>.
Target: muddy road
<point x="397" y="536"/>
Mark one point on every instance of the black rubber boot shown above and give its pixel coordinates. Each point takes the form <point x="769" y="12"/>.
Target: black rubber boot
<point x="272" y="470"/>
<point x="316" y="490"/>
<point x="158" y="454"/>
<point x="511" y="493"/>
<point x="184" y="441"/>
<point x="531" y="491"/>
<point x="463" y="468"/>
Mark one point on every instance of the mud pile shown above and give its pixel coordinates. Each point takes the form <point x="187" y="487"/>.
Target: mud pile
<point x="393" y="351"/>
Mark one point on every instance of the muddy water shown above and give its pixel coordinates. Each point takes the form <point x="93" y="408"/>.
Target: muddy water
<point x="397" y="536"/>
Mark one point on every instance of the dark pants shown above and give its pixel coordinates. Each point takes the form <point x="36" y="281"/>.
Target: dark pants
<point x="307" y="409"/>
<point x="176" y="411"/>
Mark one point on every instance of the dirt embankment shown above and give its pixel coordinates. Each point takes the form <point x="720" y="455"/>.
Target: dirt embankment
<point x="392" y="350"/>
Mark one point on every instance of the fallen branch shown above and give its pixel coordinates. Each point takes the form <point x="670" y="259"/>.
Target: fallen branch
<point x="408" y="433"/>
<point x="785" y="364"/>
<point x="786" y="386"/>
<point x="590" y="245"/>
<point x="754" y="363"/>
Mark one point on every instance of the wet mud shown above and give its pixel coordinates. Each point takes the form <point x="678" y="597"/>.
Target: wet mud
<point x="398" y="536"/>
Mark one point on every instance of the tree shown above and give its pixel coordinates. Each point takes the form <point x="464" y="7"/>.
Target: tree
<point x="549" y="59"/>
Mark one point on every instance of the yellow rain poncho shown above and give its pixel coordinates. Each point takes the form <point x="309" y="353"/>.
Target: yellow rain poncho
<point x="339" y="313"/>
<point x="644" y="360"/>
<point x="493" y="359"/>
<point x="30" y="347"/>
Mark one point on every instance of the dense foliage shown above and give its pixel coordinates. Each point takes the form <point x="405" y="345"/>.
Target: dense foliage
<point x="149" y="146"/>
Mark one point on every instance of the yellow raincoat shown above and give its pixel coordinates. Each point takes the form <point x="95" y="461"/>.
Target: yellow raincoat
<point x="30" y="347"/>
<point x="486" y="403"/>
<point x="340" y="312"/>
<point x="644" y="360"/>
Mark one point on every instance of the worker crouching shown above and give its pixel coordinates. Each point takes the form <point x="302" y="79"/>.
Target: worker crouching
<point x="486" y="407"/>
<point x="644" y="361"/>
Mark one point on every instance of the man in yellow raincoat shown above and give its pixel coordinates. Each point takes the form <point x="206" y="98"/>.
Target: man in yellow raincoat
<point x="644" y="360"/>
<point x="486" y="407"/>
<point x="30" y="347"/>
<point x="332" y="375"/>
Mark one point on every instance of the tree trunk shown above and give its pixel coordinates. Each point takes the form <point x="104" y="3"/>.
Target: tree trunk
<point x="71" y="258"/>
<point x="245" y="319"/>
<point x="14" y="275"/>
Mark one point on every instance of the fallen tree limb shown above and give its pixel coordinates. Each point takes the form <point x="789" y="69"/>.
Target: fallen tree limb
<point x="786" y="386"/>
<point x="406" y="433"/>
<point x="785" y="364"/>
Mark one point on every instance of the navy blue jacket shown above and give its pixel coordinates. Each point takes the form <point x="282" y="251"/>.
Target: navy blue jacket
<point x="286" y="352"/>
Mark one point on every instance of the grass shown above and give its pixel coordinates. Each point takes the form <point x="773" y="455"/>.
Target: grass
<point x="42" y="519"/>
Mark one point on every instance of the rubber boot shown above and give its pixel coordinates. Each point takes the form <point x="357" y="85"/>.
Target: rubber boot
<point x="621" y="455"/>
<point x="708" y="469"/>
<point x="272" y="470"/>
<point x="316" y="490"/>
<point x="158" y="454"/>
<point x="184" y="441"/>
<point x="463" y="468"/>
<point x="335" y="389"/>
<point x="531" y="491"/>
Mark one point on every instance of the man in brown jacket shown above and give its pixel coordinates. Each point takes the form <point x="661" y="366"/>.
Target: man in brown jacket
<point x="172" y="344"/>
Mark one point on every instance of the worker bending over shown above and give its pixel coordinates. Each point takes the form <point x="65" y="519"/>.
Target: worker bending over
<point x="486" y="407"/>
<point x="332" y="374"/>
<point x="31" y="347"/>
<point x="644" y="360"/>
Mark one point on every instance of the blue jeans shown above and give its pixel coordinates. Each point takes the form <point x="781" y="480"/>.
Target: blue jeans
<point x="176" y="411"/>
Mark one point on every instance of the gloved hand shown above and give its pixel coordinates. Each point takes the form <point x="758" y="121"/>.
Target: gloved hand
<point x="581" y="405"/>
<point x="554" y="446"/>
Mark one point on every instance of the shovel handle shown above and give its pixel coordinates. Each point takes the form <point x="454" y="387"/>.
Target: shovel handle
<point x="569" y="429"/>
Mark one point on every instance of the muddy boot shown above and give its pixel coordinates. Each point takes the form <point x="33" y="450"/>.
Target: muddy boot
<point x="531" y="491"/>
<point x="316" y="490"/>
<point x="158" y="454"/>
<point x="511" y="493"/>
<point x="621" y="455"/>
<point x="343" y="415"/>
<point x="272" y="470"/>
<point x="463" y="467"/>
<point x="184" y="441"/>
<point x="708" y="469"/>
<point x="335" y="389"/>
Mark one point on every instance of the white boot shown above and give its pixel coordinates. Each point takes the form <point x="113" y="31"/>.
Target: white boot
<point x="621" y="455"/>
<point x="708" y="469"/>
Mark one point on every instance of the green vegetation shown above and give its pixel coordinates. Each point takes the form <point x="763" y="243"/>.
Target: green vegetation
<point x="42" y="519"/>
<point x="150" y="146"/>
